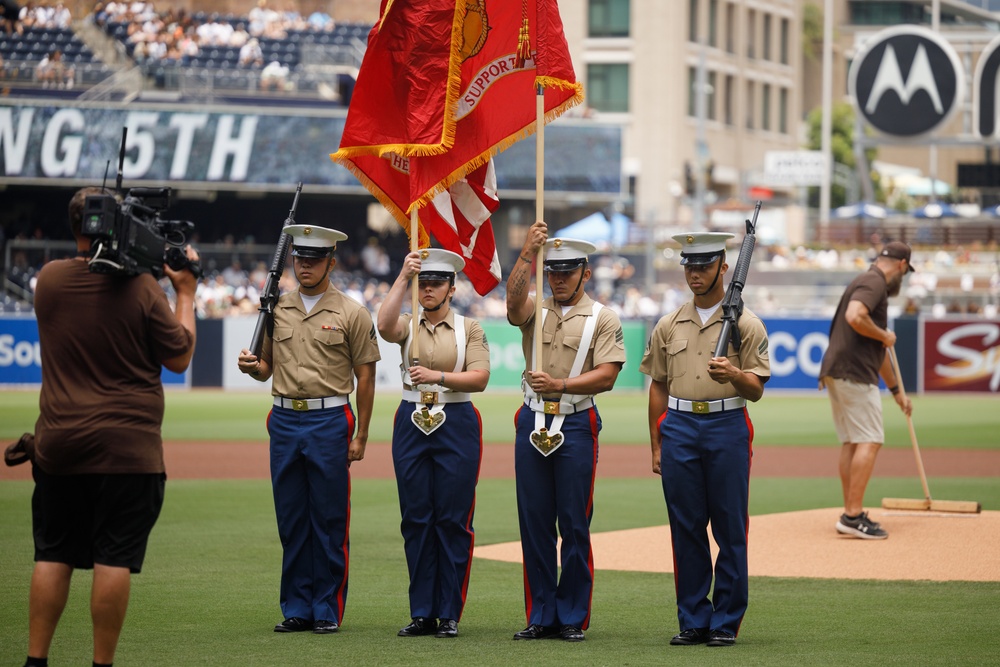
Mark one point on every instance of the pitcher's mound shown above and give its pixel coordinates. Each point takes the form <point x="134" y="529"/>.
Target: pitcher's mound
<point x="921" y="545"/>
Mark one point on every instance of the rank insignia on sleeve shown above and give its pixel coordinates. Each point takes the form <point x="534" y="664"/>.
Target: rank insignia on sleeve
<point x="371" y="334"/>
<point x="762" y="348"/>
<point x="620" y="336"/>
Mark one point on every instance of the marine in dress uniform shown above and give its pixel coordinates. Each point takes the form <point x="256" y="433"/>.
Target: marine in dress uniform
<point x="437" y="438"/>
<point x="702" y="442"/>
<point x="322" y="342"/>
<point x="556" y="442"/>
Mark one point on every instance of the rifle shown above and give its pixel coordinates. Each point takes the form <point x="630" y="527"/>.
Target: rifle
<point x="732" y="303"/>
<point x="269" y="295"/>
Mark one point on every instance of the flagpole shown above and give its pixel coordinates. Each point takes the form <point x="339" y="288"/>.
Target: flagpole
<point x="414" y="286"/>
<point x="539" y="214"/>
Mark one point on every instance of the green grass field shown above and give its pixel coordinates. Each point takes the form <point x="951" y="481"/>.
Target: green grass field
<point x="208" y="593"/>
<point x="949" y="421"/>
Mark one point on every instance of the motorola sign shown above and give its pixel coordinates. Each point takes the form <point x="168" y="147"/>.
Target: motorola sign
<point x="906" y="81"/>
<point x="986" y="86"/>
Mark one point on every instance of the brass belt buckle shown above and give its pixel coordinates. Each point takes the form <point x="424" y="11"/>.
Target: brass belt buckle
<point x="428" y="397"/>
<point x="550" y="407"/>
<point x="699" y="407"/>
<point x="299" y="404"/>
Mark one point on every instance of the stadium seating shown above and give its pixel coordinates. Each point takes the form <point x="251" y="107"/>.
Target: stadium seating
<point x="344" y="44"/>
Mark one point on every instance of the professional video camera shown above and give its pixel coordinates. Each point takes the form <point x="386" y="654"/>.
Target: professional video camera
<point x="130" y="238"/>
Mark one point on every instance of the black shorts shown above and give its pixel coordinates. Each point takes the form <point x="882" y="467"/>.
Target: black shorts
<point x="85" y="519"/>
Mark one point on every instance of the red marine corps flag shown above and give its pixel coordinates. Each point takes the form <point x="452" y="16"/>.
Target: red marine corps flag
<point x="445" y="85"/>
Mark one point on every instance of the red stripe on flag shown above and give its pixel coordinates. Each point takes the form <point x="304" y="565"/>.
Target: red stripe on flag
<point x="459" y="218"/>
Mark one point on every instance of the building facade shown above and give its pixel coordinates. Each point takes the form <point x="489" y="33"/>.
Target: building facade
<point x="644" y="63"/>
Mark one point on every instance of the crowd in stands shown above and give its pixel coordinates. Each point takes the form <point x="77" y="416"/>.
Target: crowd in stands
<point x="34" y="15"/>
<point x="960" y="280"/>
<point x="53" y="72"/>
<point x="177" y="35"/>
<point x="38" y="44"/>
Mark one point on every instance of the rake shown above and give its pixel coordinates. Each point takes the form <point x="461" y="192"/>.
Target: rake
<point x="927" y="504"/>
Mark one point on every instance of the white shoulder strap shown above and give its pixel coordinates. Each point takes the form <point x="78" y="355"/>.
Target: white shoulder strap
<point x="460" y="343"/>
<point x="581" y="353"/>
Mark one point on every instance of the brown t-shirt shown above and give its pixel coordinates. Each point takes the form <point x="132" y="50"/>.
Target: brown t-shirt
<point x="850" y="355"/>
<point x="103" y="342"/>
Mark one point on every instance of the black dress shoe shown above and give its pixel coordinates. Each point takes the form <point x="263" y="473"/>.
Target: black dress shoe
<point x="325" y="627"/>
<point x="419" y="627"/>
<point x="690" y="637"/>
<point x="447" y="628"/>
<point x="571" y="633"/>
<point x="294" y="624"/>
<point x="535" y="631"/>
<point x="720" y="638"/>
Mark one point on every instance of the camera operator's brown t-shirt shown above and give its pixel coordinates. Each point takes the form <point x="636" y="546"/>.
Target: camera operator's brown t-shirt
<point x="103" y="341"/>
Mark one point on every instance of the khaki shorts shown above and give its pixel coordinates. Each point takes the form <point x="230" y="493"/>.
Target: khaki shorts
<point x="857" y="411"/>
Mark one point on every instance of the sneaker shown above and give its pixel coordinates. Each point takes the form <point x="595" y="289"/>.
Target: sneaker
<point x="861" y="526"/>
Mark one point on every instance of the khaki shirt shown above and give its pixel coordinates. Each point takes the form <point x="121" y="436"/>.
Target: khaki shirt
<point x="562" y="334"/>
<point x="680" y="347"/>
<point x="313" y="355"/>
<point x="438" y="347"/>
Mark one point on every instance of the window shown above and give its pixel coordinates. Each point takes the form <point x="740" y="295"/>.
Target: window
<point x="608" y="18"/>
<point x="783" y="111"/>
<point x="751" y="33"/>
<point x="765" y="107"/>
<point x="692" y="20"/>
<point x="765" y="51"/>
<point x="749" y="105"/>
<point x="713" y="22"/>
<point x="710" y="80"/>
<point x="887" y="13"/>
<point x="784" y="42"/>
<point x="607" y="87"/>
<point x="692" y="90"/>
<point x="710" y="96"/>
<point x="727" y="100"/>
<point x="730" y="28"/>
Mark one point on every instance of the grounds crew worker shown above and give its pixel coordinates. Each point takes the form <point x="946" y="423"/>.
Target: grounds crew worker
<point x="322" y="341"/>
<point x="437" y="438"/>
<point x="857" y="355"/>
<point x="555" y="448"/>
<point x="702" y="442"/>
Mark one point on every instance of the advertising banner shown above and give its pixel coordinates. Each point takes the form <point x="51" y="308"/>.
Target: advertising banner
<point x="952" y="355"/>
<point x="796" y="349"/>
<point x="961" y="355"/>
<point x="21" y="355"/>
<point x="209" y="148"/>
<point x="506" y="358"/>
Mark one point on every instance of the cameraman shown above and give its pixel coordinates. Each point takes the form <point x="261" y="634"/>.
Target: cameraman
<point x="98" y="464"/>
